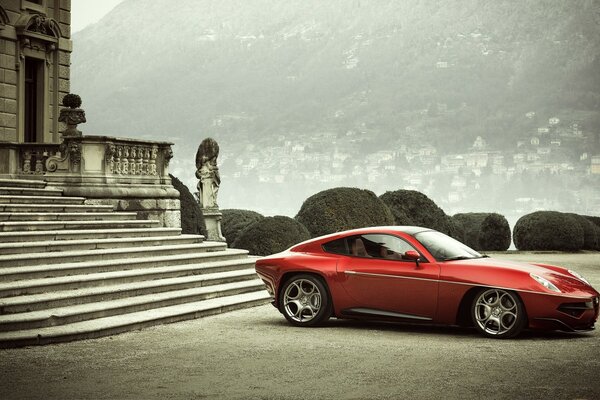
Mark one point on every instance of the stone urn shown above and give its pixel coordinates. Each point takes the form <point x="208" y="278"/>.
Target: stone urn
<point x="72" y="115"/>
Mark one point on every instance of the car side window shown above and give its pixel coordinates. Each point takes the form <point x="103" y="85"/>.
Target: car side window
<point x="380" y="246"/>
<point x="338" y="246"/>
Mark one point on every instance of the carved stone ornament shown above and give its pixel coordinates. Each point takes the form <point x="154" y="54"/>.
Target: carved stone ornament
<point x="72" y="117"/>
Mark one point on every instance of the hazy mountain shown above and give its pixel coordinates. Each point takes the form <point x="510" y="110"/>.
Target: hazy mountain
<point x="259" y="71"/>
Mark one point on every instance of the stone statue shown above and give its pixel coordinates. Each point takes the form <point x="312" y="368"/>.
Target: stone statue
<point x="208" y="172"/>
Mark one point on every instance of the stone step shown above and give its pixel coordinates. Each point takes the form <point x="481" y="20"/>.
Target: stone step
<point x="38" y="279"/>
<point x="10" y="199"/>
<point x="19" y="226"/>
<point x="27" y="183"/>
<point x="42" y="301"/>
<point x="67" y="216"/>
<point x="54" y="208"/>
<point x="26" y="191"/>
<point x="126" y="322"/>
<point x="22" y="261"/>
<point x="101" y="309"/>
<point x="93" y="244"/>
<point x="36" y="236"/>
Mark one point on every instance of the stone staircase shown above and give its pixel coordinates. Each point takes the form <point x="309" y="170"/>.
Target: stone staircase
<point x="70" y="270"/>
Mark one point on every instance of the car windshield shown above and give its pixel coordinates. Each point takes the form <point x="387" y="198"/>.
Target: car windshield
<point x="444" y="248"/>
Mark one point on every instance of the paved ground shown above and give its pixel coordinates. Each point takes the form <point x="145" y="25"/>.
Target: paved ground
<point x="255" y="354"/>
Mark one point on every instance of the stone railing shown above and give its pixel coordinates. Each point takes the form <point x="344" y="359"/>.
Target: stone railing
<point x="130" y="174"/>
<point x="28" y="159"/>
<point x="96" y="157"/>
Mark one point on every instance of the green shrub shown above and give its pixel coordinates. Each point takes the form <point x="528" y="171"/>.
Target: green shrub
<point x="485" y="231"/>
<point x="471" y="223"/>
<point x="343" y="208"/>
<point x="494" y="233"/>
<point x="455" y="229"/>
<point x="596" y="222"/>
<point x="420" y="210"/>
<point x="234" y="221"/>
<point x="548" y="230"/>
<point x="271" y="235"/>
<point x="192" y="220"/>
<point x="590" y="239"/>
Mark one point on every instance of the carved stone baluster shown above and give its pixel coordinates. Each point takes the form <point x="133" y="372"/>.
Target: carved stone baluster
<point x="118" y="160"/>
<point x="132" y="157"/>
<point x="39" y="162"/>
<point x="125" y="161"/>
<point x="152" y="162"/>
<point x="109" y="157"/>
<point x="145" y="161"/>
<point x="27" y="162"/>
<point x="140" y="161"/>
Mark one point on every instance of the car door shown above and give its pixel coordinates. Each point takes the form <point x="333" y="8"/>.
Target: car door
<point x="381" y="281"/>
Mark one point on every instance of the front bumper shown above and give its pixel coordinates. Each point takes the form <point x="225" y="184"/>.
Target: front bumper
<point x="561" y="312"/>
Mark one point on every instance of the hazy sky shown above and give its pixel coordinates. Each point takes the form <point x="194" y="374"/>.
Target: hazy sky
<point x="86" y="12"/>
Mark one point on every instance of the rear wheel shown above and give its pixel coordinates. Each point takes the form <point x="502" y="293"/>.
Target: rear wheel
<point x="305" y="301"/>
<point x="498" y="313"/>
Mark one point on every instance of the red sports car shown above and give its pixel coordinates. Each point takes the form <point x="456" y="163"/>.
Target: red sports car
<point x="408" y="273"/>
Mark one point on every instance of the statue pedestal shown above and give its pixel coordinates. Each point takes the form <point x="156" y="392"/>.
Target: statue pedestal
<point x="212" y="219"/>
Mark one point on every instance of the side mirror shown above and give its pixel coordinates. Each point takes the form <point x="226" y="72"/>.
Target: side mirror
<point x="413" y="255"/>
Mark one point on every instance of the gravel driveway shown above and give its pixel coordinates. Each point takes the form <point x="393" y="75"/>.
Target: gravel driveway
<point x="255" y="354"/>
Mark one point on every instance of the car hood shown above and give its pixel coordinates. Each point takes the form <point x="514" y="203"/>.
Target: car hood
<point x="514" y="274"/>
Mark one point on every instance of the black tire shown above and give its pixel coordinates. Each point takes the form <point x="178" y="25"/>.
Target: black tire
<point x="498" y="313"/>
<point x="305" y="300"/>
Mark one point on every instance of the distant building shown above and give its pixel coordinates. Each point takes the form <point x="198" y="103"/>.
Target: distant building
<point x="595" y="165"/>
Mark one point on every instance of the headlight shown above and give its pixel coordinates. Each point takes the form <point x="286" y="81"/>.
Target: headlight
<point x="578" y="276"/>
<point x="545" y="283"/>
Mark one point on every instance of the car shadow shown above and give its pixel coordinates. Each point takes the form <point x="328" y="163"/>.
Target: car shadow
<point x="427" y="329"/>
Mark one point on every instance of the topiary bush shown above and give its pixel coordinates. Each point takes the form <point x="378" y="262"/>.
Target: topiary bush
<point x="485" y="231"/>
<point x="548" y="230"/>
<point x="234" y="221"/>
<point x="271" y="235"/>
<point x="471" y="223"/>
<point x="343" y="208"/>
<point x="494" y="233"/>
<point x="596" y="222"/>
<point x="590" y="239"/>
<point x="192" y="220"/>
<point x="420" y="210"/>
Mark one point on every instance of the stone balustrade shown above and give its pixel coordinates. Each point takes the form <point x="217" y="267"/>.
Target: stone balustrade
<point x="130" y="174"/>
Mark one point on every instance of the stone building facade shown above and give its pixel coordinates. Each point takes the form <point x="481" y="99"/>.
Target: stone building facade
<point x="35" y="51"/>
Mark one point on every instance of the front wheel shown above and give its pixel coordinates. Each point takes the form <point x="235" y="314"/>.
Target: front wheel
<point x="304" y="300"/>
<point x="498" y="313"/>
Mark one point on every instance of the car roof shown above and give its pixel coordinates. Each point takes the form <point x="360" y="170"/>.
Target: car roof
<point x="411" y="230"/>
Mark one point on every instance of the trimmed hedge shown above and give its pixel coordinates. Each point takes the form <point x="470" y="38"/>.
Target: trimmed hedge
<point x="548" y="230"/>
<point x="192" y="220"/>
<point x="471" y="223"/>
<point x="235" y="221"/>
<point x="485" y="231"/>
<point x="590" y="239"/>
<point x="271" y="235"/>
<point x="495" y="233"/>
<point x="596" y="222"/>
<point x="415" y="208"/>
<point x="343" y="208"/>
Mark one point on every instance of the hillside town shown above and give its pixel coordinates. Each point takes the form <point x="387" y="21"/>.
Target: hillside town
<point x="458" y="181"/>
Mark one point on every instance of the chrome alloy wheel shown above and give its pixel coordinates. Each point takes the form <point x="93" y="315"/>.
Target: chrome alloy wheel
<point x="497" y="312"/>
<point x="302" y="300"/>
